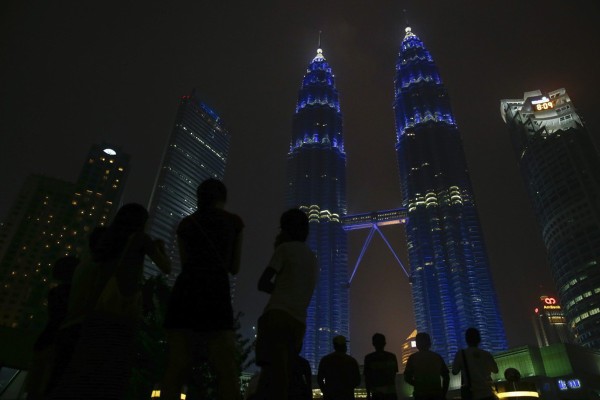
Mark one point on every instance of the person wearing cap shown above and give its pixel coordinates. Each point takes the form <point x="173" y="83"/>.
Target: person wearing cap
<point x="290" y="279"/>
<point x="338" y="372"/>
<point x="426" y="371"/>
<point x="380" y="371"/>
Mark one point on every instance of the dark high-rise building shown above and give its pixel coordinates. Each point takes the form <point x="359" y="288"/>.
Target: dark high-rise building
<point x="50" y="219"/>
<point x="316" y="178"/>
<point x="451" y="282"/>
<point x="561" y="168"/>
<point x="197" y="150"/>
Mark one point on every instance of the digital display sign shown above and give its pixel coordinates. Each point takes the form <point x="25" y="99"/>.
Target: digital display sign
<point x="542" y="104"/>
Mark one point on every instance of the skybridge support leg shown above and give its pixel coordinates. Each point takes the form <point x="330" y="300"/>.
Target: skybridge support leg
<point x="362" y="252"/>
<point x="391" y="249"/>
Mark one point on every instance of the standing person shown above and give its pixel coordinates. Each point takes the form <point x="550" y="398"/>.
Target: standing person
<point x="44" y="349"/>
<point x="427" y="371"/>
<point x="338" y="372"/>
<point x="103" y="358"/>
<point x="476" y="366"/>
<point x="210" y="244"/>
<point x="290" y="279"/>
<point x="380" y="369"/>
<point x="300" y="387"/>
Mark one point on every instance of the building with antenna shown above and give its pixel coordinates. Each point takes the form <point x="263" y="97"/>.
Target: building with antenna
<point x="197" y="150"/>
<point x="449" y="270"/>
<point x="560" y="165"/>
<point x="316" y="182"/>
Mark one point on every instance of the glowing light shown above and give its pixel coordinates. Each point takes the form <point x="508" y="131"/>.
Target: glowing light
<point x="110" y="152"/>
<point x="519" y="393"/>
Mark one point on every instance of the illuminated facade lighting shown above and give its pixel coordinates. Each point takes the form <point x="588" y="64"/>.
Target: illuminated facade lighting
<point x="449" y="270"/>
<point x="316" y="178"/>
<point x="197" y="150"/>
<point x="50" y="219"/>
<point x="561" y="168"/>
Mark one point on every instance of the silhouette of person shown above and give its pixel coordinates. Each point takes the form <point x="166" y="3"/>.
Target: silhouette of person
<point x="301" y="380"/>
<point x="338" y="372"/>
<point x="210" y="242"/>
<point x="102" y="362"/>
<point x="380" y="369"/>
<point x="478" y="364"/>
<point x="79" y="307"/>
<point x="427" y="371"/>
<point x="44" y="347"/>
<point x="290" y="279"/>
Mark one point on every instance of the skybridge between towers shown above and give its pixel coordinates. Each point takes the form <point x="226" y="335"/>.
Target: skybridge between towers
<point x="373" y="221"/>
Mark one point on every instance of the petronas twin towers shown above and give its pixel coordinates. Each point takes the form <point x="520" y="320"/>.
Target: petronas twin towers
<point x="449" y="271"/>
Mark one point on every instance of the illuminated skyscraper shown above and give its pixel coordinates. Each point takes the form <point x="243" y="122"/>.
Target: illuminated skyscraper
<point x="50" y="219"/>
<point x="451" y="282"/>
<point x="561" y="169"/>
<point x="549" y="323"/>
<point x="197" y="150"/>
<point x="316" y="177"/>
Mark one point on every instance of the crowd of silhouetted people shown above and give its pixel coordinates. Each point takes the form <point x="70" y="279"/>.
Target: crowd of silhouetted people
<point x="86" y="350"/>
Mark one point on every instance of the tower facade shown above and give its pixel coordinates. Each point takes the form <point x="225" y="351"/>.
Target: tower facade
<point x="316" y="178"/>
<point x="561" y="169"/>
<point x="50" y="219"/>
<point x="197" y="150"/>
<point x="451" y="283"/>
<point x="549" y="323"/>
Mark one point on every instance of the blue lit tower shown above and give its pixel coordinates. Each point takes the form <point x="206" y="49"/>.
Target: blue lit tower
<point x="449" y="272"/>
<point x="560" y="165"/>
<point x="316" y="177"/>
<point x="197" y="150"/>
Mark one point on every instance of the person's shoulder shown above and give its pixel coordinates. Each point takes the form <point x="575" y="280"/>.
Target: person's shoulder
<point x="234" y="218"/>
<point x="389" y="354"/>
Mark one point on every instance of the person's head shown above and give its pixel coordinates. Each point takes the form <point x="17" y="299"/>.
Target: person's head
<point x="131" y="217"/>
<point x="378" y="341"/>
<point x="472" y="337"/>
<point x="211" y="193"/>
<point x="294" y="224"/>
<point x="423" y="341"/>
<point x="340" y="344"/>
<point x="64" y="268"/>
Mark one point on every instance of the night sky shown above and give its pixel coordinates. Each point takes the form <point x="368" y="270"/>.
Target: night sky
<point x="74" y="73"/>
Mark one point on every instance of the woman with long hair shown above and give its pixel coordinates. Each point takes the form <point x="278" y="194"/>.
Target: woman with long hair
<point x="111" y="293"/>
<point x="210" y="242"/>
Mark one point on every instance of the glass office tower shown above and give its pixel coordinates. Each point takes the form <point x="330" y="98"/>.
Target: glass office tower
<point x="197" y="150"/>
<point x="561" y="168"/>
<point x="316" y="177"/>
<point x="451" y="283"/>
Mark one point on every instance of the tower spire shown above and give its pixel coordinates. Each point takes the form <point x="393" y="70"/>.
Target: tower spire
<point x="406" y="17"/>
<point x="319" y="44"/>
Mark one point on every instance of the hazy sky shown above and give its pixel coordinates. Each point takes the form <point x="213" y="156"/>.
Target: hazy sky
<point x="75" y="73"/>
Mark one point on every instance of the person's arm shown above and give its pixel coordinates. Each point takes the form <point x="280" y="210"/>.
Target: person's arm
<point x="409" y="373"/>
<point x="445" y="377"/>
<point x="321" y="377"/>
<point x="493" y="365"/>
<point x="237" y="254"/>
<point x="356" y="374"/>
<point x="265" y="283"/>
<point x="457" y="363"/>
<point x="156" y="251"/>
<point x="367" y="374"/>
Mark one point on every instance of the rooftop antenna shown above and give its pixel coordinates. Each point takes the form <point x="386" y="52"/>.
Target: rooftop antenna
<point x="405" y="16"/>
<point x="319" y="45"/>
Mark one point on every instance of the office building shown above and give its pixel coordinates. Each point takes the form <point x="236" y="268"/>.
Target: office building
<point x="560" y="166"/>
<point x="316" y="179"/>
<point x="449" y="270"/>
<point x="549" y="323"/>
<point x="50" y="219"/>
<point x="197" y="150"/>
